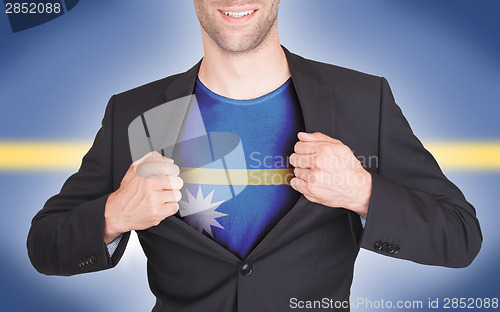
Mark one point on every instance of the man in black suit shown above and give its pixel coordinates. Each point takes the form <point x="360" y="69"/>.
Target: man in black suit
<point x="412" y="210"/>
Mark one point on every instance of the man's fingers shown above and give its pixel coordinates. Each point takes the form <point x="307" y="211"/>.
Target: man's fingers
<point x="165" y="183"/>
<point x="172" y="183"/>
<point x="316" y="137"/>
<point x="298" y="184"/>
<point x="301" y="173"/>
<point x="156" y="157"/>
<point x="171" y="208"/>
<point x="152" y="156"/>
<point x="310" y="176"/>
<point x="302" y="161"/>
<point x="172" y="169"/>
<point x="301" y="186"/>
<point x="170" y="196"/>
<point x="157" y="169"/>
<point x="303" y="147"/>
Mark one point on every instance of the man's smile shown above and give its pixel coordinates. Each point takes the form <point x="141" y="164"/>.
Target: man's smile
<point x="237" y="16"/>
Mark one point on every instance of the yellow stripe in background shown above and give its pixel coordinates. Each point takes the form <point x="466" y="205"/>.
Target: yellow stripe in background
<point x="466" y="155"/>
<point x="67" y="155"/>
<point x="42" y="155"/>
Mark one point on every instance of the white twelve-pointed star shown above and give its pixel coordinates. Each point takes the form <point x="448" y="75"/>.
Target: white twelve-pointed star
<point x="199" y="211"/>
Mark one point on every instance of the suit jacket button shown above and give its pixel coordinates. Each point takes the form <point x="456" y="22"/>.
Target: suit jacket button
<point x="391" y="249"/>
<point x="378" y="245"/>
<point x="93" y="260"/>
<point x="384" y="246"/>
<point x="246" y="269"/>
<point x="396" y="249"/>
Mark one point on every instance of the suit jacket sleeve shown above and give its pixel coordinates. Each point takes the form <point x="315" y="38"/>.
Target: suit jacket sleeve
<point x="67" y="235"/>
<point x="414" y="209"/>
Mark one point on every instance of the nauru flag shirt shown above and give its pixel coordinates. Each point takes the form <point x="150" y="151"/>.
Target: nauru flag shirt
<point x="242" y="191"/>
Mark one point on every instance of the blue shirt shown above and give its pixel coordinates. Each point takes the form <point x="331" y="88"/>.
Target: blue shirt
<point x="256" y="135"/>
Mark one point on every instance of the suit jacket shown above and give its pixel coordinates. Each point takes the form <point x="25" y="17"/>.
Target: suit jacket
<point x="415" y="212"/>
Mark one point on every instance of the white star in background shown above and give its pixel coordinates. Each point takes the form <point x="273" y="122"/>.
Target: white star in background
<point x="199" y="211"/>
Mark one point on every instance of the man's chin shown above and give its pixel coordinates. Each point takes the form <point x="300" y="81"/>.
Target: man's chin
<point x="239" y="46"/>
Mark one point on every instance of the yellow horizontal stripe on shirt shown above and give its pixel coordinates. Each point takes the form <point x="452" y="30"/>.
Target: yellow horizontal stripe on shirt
<point x="236" y="176"/>
<point x="67" y="155"/>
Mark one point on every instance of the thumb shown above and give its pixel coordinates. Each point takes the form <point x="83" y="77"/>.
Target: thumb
<point x="149" y="157"/>
<point x="316" y="137"/>
<point x="151" y="154"/>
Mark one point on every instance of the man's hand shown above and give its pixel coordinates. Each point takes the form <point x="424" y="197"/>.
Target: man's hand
<point x="327" y="172"/>
<point x="148" y="193"/>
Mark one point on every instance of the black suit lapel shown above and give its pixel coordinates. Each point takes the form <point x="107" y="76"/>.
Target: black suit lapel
<point x="183" y="85"/>
<point x="316" y="98"/>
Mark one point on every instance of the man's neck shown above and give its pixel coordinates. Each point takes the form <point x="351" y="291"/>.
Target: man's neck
<point x="245" y="75"/>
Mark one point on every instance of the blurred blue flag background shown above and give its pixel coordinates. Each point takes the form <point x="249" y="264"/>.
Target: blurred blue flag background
<point x="440" y="57"/>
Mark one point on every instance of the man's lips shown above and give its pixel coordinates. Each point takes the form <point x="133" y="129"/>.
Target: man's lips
<point x="237" y="16"/>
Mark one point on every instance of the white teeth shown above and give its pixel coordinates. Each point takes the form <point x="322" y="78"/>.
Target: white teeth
<point x="239" y="14"/>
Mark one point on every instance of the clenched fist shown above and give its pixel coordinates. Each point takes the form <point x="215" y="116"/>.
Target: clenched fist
<point x="148" y="193"/>
<point x="327" y="172"/>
